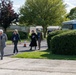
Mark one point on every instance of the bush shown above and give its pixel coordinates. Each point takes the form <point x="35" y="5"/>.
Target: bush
<point x="23" y="35"/>
<point x="9" y="35"/>
<point x="64" y="43"/>
<point x="53" y="34"/>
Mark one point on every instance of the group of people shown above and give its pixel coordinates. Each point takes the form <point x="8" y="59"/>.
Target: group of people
<point x="34" y="38"/>
<point x="16" y="37"/>
<point x="3" y="37"/>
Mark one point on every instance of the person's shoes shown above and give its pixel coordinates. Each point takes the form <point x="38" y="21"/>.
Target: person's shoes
<point x="16" y="53"/>
<point x="1" y="58"/>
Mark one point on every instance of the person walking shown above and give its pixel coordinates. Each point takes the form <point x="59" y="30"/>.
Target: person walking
<point x="3" y="38"/>
<point x="39" y="34"/>
<point x="33" y="42"/>
<point x="15" y="39"/>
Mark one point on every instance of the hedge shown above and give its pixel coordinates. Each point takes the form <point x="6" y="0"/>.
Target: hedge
<point x="53" y="34"/>
<point x="23" y="35"/>
<point x="64" y="43"/>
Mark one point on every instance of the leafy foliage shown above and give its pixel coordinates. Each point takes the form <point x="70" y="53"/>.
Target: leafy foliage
<point x="23" y="35"/>
<point x="7" y="14"/>
<point x="72" y="14"/>
<point x="53" y="34"/>
<point x="42" y="12"/>
<point x="64" y="43"/>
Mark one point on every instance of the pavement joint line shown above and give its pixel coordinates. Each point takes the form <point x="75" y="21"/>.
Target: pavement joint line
<point x="9" y="61"/>
<point x="36" y="70"/>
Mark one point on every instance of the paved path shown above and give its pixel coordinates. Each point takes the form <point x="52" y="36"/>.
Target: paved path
<point x="8" y="51"/>
<point x="16" y="66"/>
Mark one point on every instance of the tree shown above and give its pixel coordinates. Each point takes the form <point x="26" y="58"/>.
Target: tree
<point x="72" y="14"/>
<point x="7" y="14"/>
<point x="42" y="12"/>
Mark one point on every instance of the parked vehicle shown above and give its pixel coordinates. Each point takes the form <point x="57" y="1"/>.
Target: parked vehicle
<point x="69" y="25"/>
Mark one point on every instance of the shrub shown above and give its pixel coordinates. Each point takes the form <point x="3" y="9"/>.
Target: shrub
<point x="23" y="35"/>
<point x="53" y="34"/>
<point x="64" y="43"/>
<point x="9" y="35"/>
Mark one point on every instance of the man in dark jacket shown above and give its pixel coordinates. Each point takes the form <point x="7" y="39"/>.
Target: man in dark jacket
<point x="39" y="34"/>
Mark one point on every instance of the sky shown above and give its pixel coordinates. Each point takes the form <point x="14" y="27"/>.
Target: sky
<point x="18" y="3"/>
<point x="70" y="4"/>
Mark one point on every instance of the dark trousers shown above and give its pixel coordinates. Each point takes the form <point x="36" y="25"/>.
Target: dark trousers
<point x="39" y="43"/>
<point x="15" y="47"/>
<point x="31" y="48"/>
<point x="2" y="52"/>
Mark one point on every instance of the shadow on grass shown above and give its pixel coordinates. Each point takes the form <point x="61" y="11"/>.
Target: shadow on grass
<point x="49" y="55"/>
<point x="26" y="50"/>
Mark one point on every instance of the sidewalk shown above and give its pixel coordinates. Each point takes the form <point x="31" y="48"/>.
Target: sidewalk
<point x="17" y="66"/>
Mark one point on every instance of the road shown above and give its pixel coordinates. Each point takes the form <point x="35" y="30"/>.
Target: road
<point x="14" y="66"/>
<point x="8" y="51"/>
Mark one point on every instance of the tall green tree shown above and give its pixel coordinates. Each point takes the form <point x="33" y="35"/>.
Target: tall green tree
<point x="72" y="14"/>
<point x="42" y="12"/>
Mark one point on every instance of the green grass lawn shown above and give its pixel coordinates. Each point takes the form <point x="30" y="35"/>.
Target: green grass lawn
<point x="8" y="42"/>
<point x="44" y="55"/>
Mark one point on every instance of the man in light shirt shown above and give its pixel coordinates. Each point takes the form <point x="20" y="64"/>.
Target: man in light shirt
<point x="3" y="38"/>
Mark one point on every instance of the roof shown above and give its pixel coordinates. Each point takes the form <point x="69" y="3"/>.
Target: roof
<point x="39" y="27"/>
<point x="70" y="22"/>
<point x="53" y="27"/>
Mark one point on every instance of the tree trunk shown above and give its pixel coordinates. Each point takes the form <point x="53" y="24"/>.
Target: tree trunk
<point x="5" y="29"/>
<point x="44" y="31"/>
